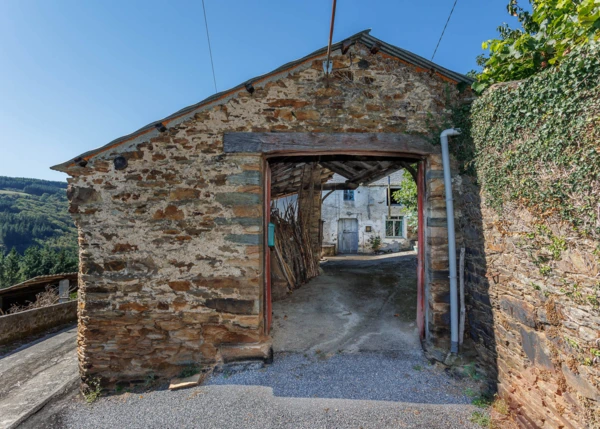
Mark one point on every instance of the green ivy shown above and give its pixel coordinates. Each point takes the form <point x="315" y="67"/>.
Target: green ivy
<point x="537" y="142"/>
<point x="547" y="34"/>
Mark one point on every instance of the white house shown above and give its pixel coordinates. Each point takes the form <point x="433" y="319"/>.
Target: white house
<point x="353" y="219"/>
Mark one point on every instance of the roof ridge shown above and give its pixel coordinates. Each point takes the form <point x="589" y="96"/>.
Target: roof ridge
<point x="183" y="113"/>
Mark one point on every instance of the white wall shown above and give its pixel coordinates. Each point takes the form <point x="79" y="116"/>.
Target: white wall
<point x="369" y="208"/>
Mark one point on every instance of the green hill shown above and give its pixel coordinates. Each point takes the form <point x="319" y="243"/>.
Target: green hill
<point x="34" y="213"/>
<point x="37" y="235"/>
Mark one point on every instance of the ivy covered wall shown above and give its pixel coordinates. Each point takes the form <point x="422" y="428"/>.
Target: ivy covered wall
<point x="533" y="241"/>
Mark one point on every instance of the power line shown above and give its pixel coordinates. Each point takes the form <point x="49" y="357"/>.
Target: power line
<point x="209" y="48"/>
<point x="444" y="30"/>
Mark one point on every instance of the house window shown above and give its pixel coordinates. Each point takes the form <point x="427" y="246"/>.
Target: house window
<point x="348" y="195"/>
<point x="394" y="202"/>
<point x="394" y="226"/>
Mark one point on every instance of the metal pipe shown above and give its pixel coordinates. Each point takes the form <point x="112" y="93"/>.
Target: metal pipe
<point x="330" y="34"/>
<point x="451" y="238"/>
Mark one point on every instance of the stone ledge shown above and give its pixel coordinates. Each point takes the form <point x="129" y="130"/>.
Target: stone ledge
<point x="245" y="352"/>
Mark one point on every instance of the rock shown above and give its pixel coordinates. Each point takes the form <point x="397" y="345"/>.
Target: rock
<point x="519" y="310"/>
<point x="183" y="383"/>
<point x="235" y="306"/>
<point x="580" y="385"/>
<point x="263" y="351"/>
<point x="180" y="285"/>
<point x="170" y="212"/>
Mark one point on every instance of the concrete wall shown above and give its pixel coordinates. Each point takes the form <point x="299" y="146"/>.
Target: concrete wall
<point x="20" y="325"/>
<point x="370" y="209"/>
<point x="171" y="265"/>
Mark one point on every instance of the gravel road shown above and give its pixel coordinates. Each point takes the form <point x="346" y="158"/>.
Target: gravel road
<point x="362" y="390"/>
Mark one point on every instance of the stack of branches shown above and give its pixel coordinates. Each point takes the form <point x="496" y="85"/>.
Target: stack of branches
<point x="42" y="299"/>
<point x="297" y="230"/>
<point x="293" y="248"/>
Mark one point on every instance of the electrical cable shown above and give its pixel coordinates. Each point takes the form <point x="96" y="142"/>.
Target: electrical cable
<point x="444" y="30"/>
<point x="209" y="48"/>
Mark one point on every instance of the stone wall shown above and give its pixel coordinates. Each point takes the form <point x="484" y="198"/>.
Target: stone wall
<point x="533" y="312"/>
<point x="171" y="267"/>
<point x="18" y="326"/>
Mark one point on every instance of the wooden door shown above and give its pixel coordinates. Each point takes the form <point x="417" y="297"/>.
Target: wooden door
<point x="348" y="235"/>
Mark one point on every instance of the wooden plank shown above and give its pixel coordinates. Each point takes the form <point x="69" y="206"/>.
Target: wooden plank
<point x="339" y="168"/>
<point x="381" y="175"/>
<point x="326" y="142"/>
<point x="378" y="170"/>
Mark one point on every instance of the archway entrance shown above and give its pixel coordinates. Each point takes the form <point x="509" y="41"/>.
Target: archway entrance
<point x="342" y="268"/>
<point x="433" y="288"/>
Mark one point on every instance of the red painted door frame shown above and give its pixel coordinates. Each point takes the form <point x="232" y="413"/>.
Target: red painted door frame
<point x="421" y="249"/>
<point x="267" y="252"/>
<point x="420" y="253"/>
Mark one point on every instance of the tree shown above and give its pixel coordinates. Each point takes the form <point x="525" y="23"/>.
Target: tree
<point x="11" y="273"/>
<point x="407" y="197"/>
<point x="31" y="263"/>
<point x="549" y="32"/>
<point x="407" y="194"/>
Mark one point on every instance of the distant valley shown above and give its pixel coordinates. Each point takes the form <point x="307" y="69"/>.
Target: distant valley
<point x="37" y="234"/>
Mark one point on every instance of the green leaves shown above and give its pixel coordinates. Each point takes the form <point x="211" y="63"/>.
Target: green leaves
<point x="407" y="194"/>
<point x="537" y="142"/>
<point x="548" y="34"/>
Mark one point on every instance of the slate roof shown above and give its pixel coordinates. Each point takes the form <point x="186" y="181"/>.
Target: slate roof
<point x="39" y="280"/>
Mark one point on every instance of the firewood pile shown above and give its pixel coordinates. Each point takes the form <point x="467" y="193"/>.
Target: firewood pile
<point x="293" y="247"/>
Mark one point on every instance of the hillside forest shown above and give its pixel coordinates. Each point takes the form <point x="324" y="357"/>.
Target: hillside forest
<point x="37" y="234"/>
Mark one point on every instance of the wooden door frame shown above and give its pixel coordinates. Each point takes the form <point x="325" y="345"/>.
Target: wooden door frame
<point x="421" y="248"/>
<point x="392" y="145"/>
<point x="267" y="301"/>
<point x="421" y="189"/>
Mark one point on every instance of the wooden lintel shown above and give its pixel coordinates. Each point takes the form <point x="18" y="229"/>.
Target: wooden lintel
<point x="282" y="143"/>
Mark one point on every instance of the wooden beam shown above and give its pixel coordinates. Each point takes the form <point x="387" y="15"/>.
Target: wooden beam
<point x="384" y="173"/>
<point x="371" y="172"/>
<point x="410" y="169"/>
<point x="339" y="168"/>
<point x="339" y="186"/>
<point x="326" y="143"/>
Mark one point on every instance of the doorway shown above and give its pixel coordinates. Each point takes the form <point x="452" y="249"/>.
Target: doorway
<point x="348" y="236"/>
<point x="368" y="295"/>
<point x="432" y="274"/>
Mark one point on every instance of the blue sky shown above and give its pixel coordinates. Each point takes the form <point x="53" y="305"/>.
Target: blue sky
<point x="75" y="74"/>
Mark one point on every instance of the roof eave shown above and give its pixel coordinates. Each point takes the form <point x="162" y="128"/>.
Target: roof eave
<point x="144" y="133"/>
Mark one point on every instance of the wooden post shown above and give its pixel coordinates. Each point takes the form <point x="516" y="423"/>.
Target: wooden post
<point x="389" y="192"/>
<point x="461" y="324"/>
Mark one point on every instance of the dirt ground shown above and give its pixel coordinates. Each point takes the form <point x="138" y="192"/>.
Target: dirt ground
<point x="359" y="303"/>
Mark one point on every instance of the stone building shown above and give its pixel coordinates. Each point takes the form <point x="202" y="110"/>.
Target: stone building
<point x="171" y="217"/>
<point x="354" y="218"/>
<point x="174" y="247"/>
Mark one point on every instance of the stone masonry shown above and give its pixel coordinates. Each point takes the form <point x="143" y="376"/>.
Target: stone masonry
<point x="171" y="246"/>
<point x="534" y="315"/>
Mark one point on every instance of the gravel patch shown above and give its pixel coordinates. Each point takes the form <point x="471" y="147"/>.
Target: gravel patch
<point x="368" y="376"/>
<point x="362" y="390"/>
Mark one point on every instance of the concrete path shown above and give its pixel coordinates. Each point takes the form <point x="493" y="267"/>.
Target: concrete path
<point x="35" y="374"/>
<point x="360" y="303"/>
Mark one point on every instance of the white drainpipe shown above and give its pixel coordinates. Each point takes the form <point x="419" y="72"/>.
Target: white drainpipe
<point x="451" y="238"/>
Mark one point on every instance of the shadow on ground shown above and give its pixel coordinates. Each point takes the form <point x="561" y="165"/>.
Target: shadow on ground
<point x="351" y="334"/>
